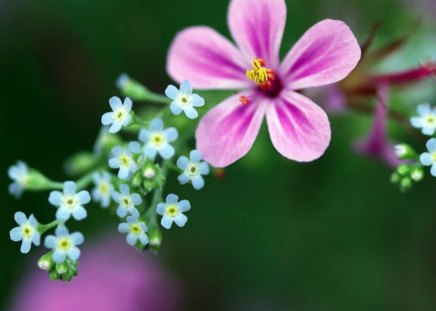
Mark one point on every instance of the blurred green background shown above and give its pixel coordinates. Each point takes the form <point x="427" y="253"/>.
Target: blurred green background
<point x="273" y="235"/>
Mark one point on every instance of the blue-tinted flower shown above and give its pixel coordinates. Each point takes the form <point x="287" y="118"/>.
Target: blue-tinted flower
<point x="127" y="201"/>
<point x="123" y="160"/>
<point x="20" y="174"/>
<point x="135" y="230"/>
<point x="103" y="188"/>
<point x="70" y="203"/>
<point x="193" y="168"/>
<point x="172" y="211"/>
<point x="120" y="116"/>
<point x="426" y="119"/>
<point x="184" y="100"/>
<point x="122" y="80"/>
<point x="157" y="139"/>
<point x="429" y="158"/>
<point x="26" y="232"/>
<point x="64" y="244"/>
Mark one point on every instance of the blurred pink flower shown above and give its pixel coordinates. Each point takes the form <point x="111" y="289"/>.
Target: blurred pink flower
<point x="299" y="129"/>
<point x="112" y="277"/>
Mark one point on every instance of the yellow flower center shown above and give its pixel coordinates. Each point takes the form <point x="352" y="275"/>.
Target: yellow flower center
<point x="157" y="139"/>
<point x="70" y="201"/>
<point x="125" y="160"/>
<point x="104" y="188"/>
<point x="192" y="169"/>
<point x="126" y="201"/>
<point x="260" y="74"/>
<point x="64" y="244"/>
<point x="172" y="210"/>
<point x="430" y="120"/>
<point x="434" y="156"/>
<point x="120" y="115"/>
<point x="27" y="231"/>
<point x="136" y="229"/>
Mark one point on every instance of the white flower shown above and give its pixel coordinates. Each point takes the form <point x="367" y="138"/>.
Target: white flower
<point x="26" y="232"/>
<point x="426" y="121"/>
<point x="20" y="174"/>
<point x="120" y="116"/>
<point x="157" y="139"/>
<point x="184" y="100"/>
<point x="135" y="230"/>
<point x="127" y="201"/>
<point x="429" y="158"/>
<point x="69" y="202"/>
<point x="172" y="211"/>
<point x="103" y="188"/>
<point x="123" y="160"/>
<point x="64" y="244"/>
<point x="193" y="168"/>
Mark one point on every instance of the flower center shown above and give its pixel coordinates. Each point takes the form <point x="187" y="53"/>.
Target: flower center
<point x="27" y="231"/>
<point x="135" y="229"/>
<point x="157" y="139"/>
<point x="192" y="169"/>
<point x="70" y="201"/>
<point x="172" y="210"/>
<point x="434" y="156"/>
<point x="64" y="244"/>
<point x="184" y="100"/>
<point x="126" y="201"/>
<point x="261" y="75"/>
<point x="125" y="160"/>
<point x="119" y="115"/>
<point x="430" y="120"/>
<point x="104" y="188"/>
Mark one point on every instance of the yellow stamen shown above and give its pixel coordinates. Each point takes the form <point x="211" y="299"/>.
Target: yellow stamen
<point x="261" y="75"/>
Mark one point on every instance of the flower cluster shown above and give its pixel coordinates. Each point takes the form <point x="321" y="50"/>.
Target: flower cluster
<point x="118" y="176"/>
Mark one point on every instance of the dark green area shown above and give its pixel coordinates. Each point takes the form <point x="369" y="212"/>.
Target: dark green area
<point x="274" y="235"/>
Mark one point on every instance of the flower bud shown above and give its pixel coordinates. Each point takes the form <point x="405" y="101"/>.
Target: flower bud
<point x="405" y="152"/>
<point x="45" y="262"/>
<point x="80" y="163"/>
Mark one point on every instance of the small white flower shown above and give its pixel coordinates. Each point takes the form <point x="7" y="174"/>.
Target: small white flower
<point x="123" y="160"/>
<point x="426" y="119"/>
<point x="64" y="244"/>
<point x="127" y="201"/>
<point x="172" y="211"/>
<point x="193" y="168"/>
<point x="103" y="188"/>
<point x="26" y="232"/>
<point x="184" y="100"/>
<point x="70" y="203"/>
<point x="120" y="116"/>
<point x="429" y="158"/>
<point x="157" y="139"/>
<point x="135" y="230"/>
<point x="20" y="174"/>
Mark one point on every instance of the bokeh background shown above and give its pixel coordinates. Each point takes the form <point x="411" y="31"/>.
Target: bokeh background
<point x="273" y="235"/>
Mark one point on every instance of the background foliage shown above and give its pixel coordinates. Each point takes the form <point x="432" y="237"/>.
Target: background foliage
<point x="274" y="235"/>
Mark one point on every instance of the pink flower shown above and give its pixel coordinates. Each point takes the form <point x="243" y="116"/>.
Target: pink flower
<point x="299" y="129"/>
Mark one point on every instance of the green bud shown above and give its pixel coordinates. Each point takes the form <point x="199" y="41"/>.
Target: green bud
<point x="105" y="142"/>
<point x="155" y="238"/>
<point x="46" y="262"/>
<point x="80" y="163"/>
<point x="405" y="152"/>
<point x="37" y="181"/>
<point x="53" y="275"/>
<point x="406" y="183"/>
<point x="417" y="174"/>
<point x="132" y="88"/>
<point x="403" y="169"/>
<point x="152" y="176"/>
<point x="62" y="268"/>
<point x="395" y="178"/>
<point x="136" y="180"/>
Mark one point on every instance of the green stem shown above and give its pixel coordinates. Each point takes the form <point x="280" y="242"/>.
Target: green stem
<point x="85" y="180"/>
<point x="43" y="228"/>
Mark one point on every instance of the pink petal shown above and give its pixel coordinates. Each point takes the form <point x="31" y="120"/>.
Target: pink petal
<point x="257" y="27"/>
<point x="227" y="132"/>
<point x="299" y="129"/>
<point x="207" y="60"/>
<point x="325" y="54"/>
